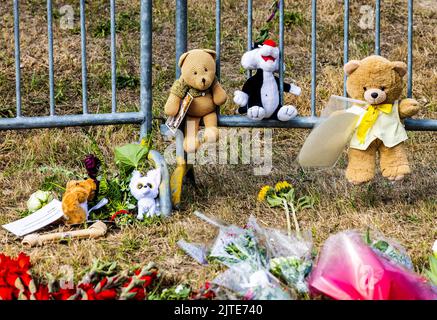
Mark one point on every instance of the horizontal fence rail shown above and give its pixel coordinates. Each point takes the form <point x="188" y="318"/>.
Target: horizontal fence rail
<point x="143" y="117"/>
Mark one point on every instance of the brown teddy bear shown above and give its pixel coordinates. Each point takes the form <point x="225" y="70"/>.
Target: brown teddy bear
<point x="75" y="198"/>
<point x="197" y="78"/>
<point x="378" y="81"/>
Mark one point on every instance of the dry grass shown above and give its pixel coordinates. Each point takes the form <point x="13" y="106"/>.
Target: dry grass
<point x="405" y="211"/>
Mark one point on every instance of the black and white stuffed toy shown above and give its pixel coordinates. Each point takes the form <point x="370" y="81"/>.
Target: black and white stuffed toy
<point x="259" y="98"/>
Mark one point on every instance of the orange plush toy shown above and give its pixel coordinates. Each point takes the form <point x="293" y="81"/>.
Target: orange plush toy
<point x="75" y="200"/>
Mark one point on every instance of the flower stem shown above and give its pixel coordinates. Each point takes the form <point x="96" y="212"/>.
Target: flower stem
<point x="287" y="213"/>
<point x="296" y="224"/>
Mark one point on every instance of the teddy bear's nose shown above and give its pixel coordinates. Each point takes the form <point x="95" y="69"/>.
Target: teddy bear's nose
<point x="374" y="95"/>
<point x="203" y="80"/>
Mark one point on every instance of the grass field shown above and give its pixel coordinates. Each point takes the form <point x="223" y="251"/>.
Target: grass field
<point x="405" y="211"/>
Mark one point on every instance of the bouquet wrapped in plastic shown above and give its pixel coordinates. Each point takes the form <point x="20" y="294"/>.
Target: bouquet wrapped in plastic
<point x="250" y="284"/>
<point x="348" y="268"/>
<point x="289" y="257"/>
<point x="255" y="256"/>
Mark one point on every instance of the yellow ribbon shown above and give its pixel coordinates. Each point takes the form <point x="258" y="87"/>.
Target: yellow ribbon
<point x="369" y="119"/>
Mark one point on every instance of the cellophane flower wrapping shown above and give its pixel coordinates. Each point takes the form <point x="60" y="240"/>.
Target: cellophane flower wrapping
<point x="235" y="245"/>
<point x="289" y="257"/>
<point x="250" y="284"/>
<point x="350" y="269"/>
<point x="389" y="249"/>
<point x="248" y="276"/>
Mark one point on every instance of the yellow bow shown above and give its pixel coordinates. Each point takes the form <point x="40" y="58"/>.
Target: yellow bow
<point x="369" y="119"/>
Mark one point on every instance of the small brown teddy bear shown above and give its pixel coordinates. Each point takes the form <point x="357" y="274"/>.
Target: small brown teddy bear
<point x="74" y="201"/>
<point x="378" y="81"/>
<point x="197" y="78"/>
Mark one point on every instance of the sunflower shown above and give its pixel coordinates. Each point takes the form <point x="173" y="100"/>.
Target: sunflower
<point x="263" y="192"/>
<point x="282" y="186"/>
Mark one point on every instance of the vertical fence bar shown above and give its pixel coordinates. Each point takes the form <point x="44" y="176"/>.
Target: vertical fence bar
<point x="249" y="31"/>
<point x="17" y="57"/>
<point x="113" y="60"/>
<point x="377" y="27"/>
<point x="181" y="31"/>
<point x="146" y="67"/>
<point x="50" y="48"/>
<point x="410" y="50"/>
<point x="84" y="65"/>
<point x="313" y="56"/>
<point x="345" y="42"/>
<point x="281" y="52"/>
<point x="218" y="36"/>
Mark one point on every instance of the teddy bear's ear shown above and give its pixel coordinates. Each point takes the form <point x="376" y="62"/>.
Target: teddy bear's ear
<point x="400" y="67"/>
<point x="211" y="52"/>
<point x="182" y="59"/>
<point x="351" y="66"/>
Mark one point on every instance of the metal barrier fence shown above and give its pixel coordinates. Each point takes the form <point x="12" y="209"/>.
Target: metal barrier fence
<point x="144" y="115"/>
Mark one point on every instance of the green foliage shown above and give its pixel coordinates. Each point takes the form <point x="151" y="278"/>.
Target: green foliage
<point x="53" y="183"/>
<point x="129" y="156"/>
<point x="180" y="292"/>
<point x="432" y="273"/>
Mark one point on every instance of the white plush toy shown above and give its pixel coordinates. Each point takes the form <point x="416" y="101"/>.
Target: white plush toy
<point x="146" y="189"/>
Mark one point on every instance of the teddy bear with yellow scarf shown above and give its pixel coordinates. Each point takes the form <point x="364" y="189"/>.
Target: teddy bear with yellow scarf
<point x="378" y="81"/>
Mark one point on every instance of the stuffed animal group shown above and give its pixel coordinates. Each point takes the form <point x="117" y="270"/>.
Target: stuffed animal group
<point x="374" y="79"/>
<point x="75" y="200"/>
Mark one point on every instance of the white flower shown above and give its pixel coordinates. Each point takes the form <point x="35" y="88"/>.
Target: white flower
<point x="38" y="200"/>
<point x="434" y="249"/>
<point x="178" y="289"/>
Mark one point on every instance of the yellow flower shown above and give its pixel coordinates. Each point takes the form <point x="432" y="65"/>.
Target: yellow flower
<point x="282" y="185"/>
<point x="263" y="192"/>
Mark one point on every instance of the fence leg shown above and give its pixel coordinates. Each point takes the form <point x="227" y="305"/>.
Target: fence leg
<point x="146" y="67"/>
<point x="181" y="31"/>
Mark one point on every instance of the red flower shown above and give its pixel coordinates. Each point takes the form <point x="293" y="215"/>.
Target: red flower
<point x="23" y="261"/>
<point x="42" y="293"/>
<point x="119" y="213"/>
<point x="139" y="293"/>
<point x="205" y="292"/>
<point x="108" y="294"/>
<point x="14" y="276"/>
<point x="7" y="293"/>
<point x="63" y="294"/>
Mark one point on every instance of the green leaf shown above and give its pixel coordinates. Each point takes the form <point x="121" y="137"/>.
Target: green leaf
<point x="381" y="245"/>
<point x="305" y="202"/>
<point x="274" y="202"/>
<point x="368" y="240"/>
<point x="433" y="265"/>
<point x="290" y="196"/>
<point x="128" y="157"/>
<point x="431" y="276"/>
